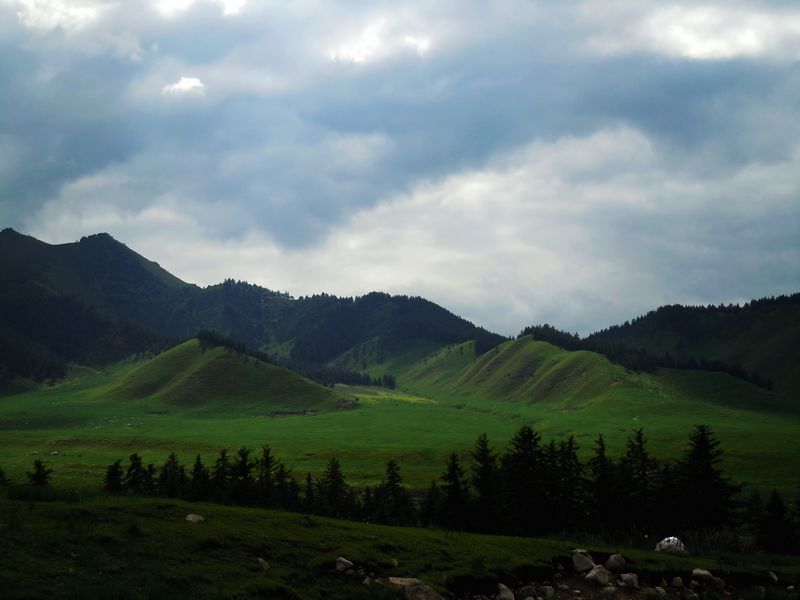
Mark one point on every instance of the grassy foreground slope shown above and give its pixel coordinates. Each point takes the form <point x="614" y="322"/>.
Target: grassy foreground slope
<point x="130" y="548"/>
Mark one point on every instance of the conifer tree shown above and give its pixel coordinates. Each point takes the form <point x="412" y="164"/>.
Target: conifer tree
<point x="3" y="478"/>
<point x="334" y="492"/>
<point x="150" y="479"/>
<point x="706" y="496"/>
<point x="112" y="482"/>
<point x="170" y="478"/>
<point x="571" y="487"/>
<point x="309" y="503"/>
<point x="135" y="476"/>
<point x="221" y="477"/>
<point x="638" y="470"/>
<point x="265" y="476"/>
<point x="486" y="483"/>
<point x="431" y="508"/>
<point x="455" y="496"/>
<point x="242" y="477"/>
<point x="200" y="481"/>
<point x="392" y="503"/>
<point x="776" y="532"/>
<point x="40" y="476"/>
<point x="605" y="503"/>
<point x="523" y="474"/>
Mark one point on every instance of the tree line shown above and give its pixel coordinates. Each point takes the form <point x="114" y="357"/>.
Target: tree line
<point x="636" y="358"/>
<point x="532" y="489"/>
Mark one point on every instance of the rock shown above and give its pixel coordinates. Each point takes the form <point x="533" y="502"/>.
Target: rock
<point x="342" y="564"/>
<point x="598" y="576"/>
<point x="631" y="580"/>
<point x="403" y="582"/>
<point x="759" y="591"/>
<point x="772" y="577"/>
<point x="694" y="584"/>
<point x="718" y="583"/>
<point x="367" y="581"/>
<point x="582" y="562"/>
<point x="548" y="592"/>
<point x="691" y="596"/>
<point x="702" y="575"/>
<point x="791" y="589"/>
<point x="264" y="564"/>
<point x="672" y="545"/>
<point x="527" y="591"/>
<point x="395" y="563"/>
<point x="660" y="591"/>
<point x="421" y="591"/>
<point x="503" y="593"/>
<point x="608" y="592"/>
<point x="677" y="582"/>
<point x="194" y="518"/>
<point x="615" y="562"/>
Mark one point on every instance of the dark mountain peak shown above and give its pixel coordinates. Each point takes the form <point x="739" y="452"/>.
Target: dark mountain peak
<point x="99" y="238"/>
<point x="9" y="231"/>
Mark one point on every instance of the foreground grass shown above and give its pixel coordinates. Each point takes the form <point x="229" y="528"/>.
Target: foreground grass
<point x="124" y="547"/>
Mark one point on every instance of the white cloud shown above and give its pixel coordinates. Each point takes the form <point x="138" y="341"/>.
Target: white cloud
<point x="694" y="31"/>
<point x="379" y="40"/>
<point x="69" y="15"/>
<point x="172" y="8"/>
<point x="185" y="86"/>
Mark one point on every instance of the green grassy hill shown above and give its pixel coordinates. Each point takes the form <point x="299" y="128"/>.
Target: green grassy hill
<point x="193" y="375"/>
<point x="530" y="371"/>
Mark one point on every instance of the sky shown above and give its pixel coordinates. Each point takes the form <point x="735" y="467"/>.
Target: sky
<point x="518" y="162"/>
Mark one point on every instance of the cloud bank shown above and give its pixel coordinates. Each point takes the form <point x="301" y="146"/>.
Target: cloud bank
<point x="518" y="163"/>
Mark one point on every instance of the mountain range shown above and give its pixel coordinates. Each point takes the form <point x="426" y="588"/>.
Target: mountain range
<point x="96" y="301"/>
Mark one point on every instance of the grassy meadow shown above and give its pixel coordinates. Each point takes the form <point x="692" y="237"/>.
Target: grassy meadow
<point x="195" y="402"/>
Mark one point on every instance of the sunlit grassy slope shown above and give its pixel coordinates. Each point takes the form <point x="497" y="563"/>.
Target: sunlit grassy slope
<point x="217" y="378"/>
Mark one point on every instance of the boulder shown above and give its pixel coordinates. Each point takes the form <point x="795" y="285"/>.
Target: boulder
<point x="677" y="582"/>
<point x="548" y="592"/>
<point x="702" y="575"/>
<point x="615" y="562"/>
<point x="342" y="564"/>
<point x="631" y="580"/>
<point x="660" y="591"/>
<point x="608" y="592"/>
<point x="772" y="577"/>
<point x="791" y="589"/>
<point x="402" y="583"/>
<point x="422" y="592"/>
<point x="504" y="593"/>
<point x="192" y="518"/>
<point x="718" y="583"/>
<point x="264" y="564"/>
<point x="672" y="545"/>
<point x="598" y="576"/>
<point x="582" y="562"/>
<point x="527" y="591"/>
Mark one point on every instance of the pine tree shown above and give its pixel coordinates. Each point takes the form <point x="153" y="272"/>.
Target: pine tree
<point x="40" y="475"/>
<point x="135" y="476"/>
<point x="170" y="481"/>
<point x="638" y="470"/>
<point x="333" y="492"/>
<point x="707" y="498"/>
<point x="112" y="482"/>
<point x="221" y="477"/>
<point x="265" y="477"/>
<point x="486" y="482"/>
<point x="571" y="487"/>
<point x="392" y="504"/>
<point x="150" y="479"/>
<point x="455" y="496"/>
<point x="200" y="483"/>
<point x="242" y="477"/>
<point x="3" y="478"/>
<point x="522" y="478"/>
<point x="605" y="496"/>
<point x="431" y="508"/>
<point x="309" y="503"/>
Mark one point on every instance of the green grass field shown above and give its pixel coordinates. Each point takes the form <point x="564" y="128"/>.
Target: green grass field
<point x="194" y="402"/>
<point x="131" y="548"/>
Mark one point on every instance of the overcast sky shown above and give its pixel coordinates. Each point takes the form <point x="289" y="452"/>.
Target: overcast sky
<point x="518" y="162"/>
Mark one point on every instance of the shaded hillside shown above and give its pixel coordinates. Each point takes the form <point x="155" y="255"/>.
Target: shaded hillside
<point x="97" y="299"/>
<point x="762" y="336"/>
<point x="526" y="370"/>
<point x="196" y="375"/>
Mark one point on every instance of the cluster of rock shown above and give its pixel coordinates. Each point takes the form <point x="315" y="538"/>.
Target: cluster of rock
<point x="412" y="588"/>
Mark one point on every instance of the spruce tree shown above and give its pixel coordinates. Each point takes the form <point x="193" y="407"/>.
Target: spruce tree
<point x="170" y="479"/>
<point x="265" y="476"/>
<point x="486" y="482"/>
<point x="3" y="478"/>
<point x="522" y="477"/>
<point x="638" y="471"/>
<point x="571" y="487"/>
<point x="112" y="482"/>
<point x="431" y="509"/>
<point x="134" y="480"/>
<point x="200" y="482"/>
<point x="221" y="476"/>
<point x="605" y="497"/>
<point x="334" y="492"/>
<point x="706" y="497"/>
<point x="242" y="477"/>
<point x="455" y="496"/>
<point x="40" y="475"/>
<point x="776" y="532"/>
<point x="392" y="504"/>
<point x="309" y="503"/>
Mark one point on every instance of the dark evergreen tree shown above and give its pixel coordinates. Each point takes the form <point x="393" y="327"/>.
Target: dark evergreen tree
<point x="455" y="496"/>
<point x="171" y="478"/>
<point x="753" y="512"/>
<point x="431" y="508"/>
<point x="309" y="503"/>
<point x="391" y="501"/>
<point x="3" y="478"/>
<point x="265" y="476"/>
<point x="135" y="476"/>
<point x="638" y="471"/>
<point x="776" y="532"/>
<point x="150" y="479"/>
<point x="605" y="504"/>
<point x="522" y="475"/>
<point x="40" y="475"/>
<point x="221" y="476"/>
<point x="571" y="488"/>
<point x="200" y="483"/>
<point x="112" y="482"/>
<point x="243" y="483"/>
<point x="286" y="493"/>
<point x="334" y="493"/>
<point x="486" y="483"/>
<point x="706" y="498"/>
